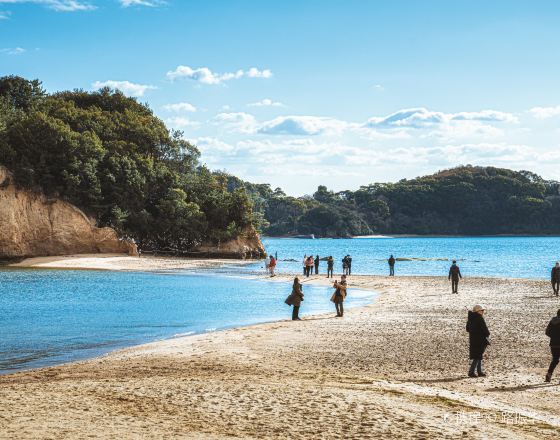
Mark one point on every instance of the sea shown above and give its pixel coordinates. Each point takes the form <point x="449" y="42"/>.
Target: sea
<point x="50" y="317"/>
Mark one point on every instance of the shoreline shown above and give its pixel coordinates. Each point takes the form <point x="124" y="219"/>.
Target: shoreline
<point x="231" y="382"/>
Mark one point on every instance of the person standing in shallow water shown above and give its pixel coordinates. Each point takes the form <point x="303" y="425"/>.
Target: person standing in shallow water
<point x="553" y="332"/>
<point x="295" y="298"/>
<point x="272" y="266"/>
<point x="339" y="296"/>
<point x="478" y="340"/>
<point x="317" y="265"/>
<point x="454" y="275"/>
<point x="330" y="267"/>
<point x="391" y="262"/>
<point x="349" y="263"/>
<point x="555" y="278"/>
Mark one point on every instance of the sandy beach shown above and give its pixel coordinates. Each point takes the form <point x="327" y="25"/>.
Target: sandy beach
<point x="121" y="262"/>
<point x="393" y="369"/>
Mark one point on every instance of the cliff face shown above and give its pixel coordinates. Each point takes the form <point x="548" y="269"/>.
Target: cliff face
<point x="34" y="225"/>
<point x="247" y="245"/>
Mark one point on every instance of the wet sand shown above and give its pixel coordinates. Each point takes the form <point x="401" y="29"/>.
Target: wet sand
<point x="393" y="369"/>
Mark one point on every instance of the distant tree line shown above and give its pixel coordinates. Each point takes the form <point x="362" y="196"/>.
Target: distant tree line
<point x="110" y="156"/>
<point x="462" y="201"/>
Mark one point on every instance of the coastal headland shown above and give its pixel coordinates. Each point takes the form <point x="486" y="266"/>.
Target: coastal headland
<point x="393" y="369"/>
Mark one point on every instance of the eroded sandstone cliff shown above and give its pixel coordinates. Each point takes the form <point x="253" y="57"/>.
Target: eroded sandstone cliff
<point x="34" y="225"/>
<point x="246" y="245"/>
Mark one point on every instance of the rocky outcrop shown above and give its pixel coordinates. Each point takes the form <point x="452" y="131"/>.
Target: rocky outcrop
<point x="246" y="245"/>
<point x="33" y="225"/>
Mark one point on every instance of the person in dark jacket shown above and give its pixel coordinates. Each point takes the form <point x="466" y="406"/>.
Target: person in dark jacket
<point x="339" y="296"/>
<point x="555" y="278"/>
<point x="330" y="267"/>
<point x="317" y="265"/>
<point x="345" y="265"/>
<point x="454" y="275"/>
<point x="553" y="332"/>
<point x="391" y="262"/>
<point x="349" y="263"/>
<point x="295" y="298"/>
<point x="478" y="339"/>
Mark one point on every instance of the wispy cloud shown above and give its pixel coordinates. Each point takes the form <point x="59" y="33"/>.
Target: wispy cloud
<point x="127" y="87"/>
<point x="57" y="5"/>
<point x="239" y="122"/>
<point x="13" y="50"/>
<point x="545" y="112"/>
<point x="266" y="102"/>
<point x="148" y="3"/>
<point x="422" y="118"/>
<point x="5" y="15"/>
<point x="302" y="126"/>
<point x="181" y="122"/>
<point x="205" y="76"/>
<point x="180" y="107"/>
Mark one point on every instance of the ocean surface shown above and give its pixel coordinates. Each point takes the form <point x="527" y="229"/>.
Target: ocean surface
<point x="518" y="257"/>
<point x="50" y="317"/>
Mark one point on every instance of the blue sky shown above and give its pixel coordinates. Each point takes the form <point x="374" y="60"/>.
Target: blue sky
<point x="302" y="93"/>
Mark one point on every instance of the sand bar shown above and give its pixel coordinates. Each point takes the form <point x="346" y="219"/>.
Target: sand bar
<point x="394" y="369"/>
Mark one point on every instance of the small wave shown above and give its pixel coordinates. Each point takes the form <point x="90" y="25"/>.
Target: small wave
<point x="211" y="329"/>
<point x="180" y="335"/>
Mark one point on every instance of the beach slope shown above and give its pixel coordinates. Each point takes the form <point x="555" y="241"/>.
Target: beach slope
<point x="394" y="369"/>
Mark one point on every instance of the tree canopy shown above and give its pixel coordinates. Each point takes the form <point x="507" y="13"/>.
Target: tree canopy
<point x="110" y="156"/>
<point x="465" y="200"/>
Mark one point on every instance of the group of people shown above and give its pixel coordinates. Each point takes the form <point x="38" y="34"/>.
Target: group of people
<point x="479" y="340"/>
<point x="311" y="265"/>
<point x="296" y="297"/>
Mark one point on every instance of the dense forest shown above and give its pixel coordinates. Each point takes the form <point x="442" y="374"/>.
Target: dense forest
<point x="109" y="155"/>
<point x="462" y="201"/>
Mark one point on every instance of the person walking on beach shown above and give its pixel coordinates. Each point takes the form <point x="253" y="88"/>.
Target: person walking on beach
<point x="345" y="265"/>
<point x="272" y="265"/>
<point x="553" y="332"/>
<point x="454" y="275"/>
<point x="555" y="278"/>
<point x="330" y="267"/>
<point x="295" y="298"/>
<point x="391" y="262"/>
<point x="317" y="265"/>
<point x="478" y="340"/>
<point x="339" y="296"/>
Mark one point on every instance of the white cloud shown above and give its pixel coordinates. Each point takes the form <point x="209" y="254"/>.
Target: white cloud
<point x="378" y="88"/>
<point x="210" y="145"/>
<point x="446" y="155"/>
<point x="180" y="107"/>
<point x="302" y="125"/>
<point x="266" y="102"/>
<point x="253" y="72"/>
<point x="127" y="87"/>
<point x="149" y="3"/>
<point x="545" y="112"/>
<point x="179" y="122"/>
<point x="4" y="15"/>
<point x="13" y="50"/>
<point x="423" y="118"/>
<point x="237" y="121"/>
<point x="57" y="5"/>
<point x="205" y="76"/>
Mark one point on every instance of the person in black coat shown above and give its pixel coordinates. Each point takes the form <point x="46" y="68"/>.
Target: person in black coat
<point x="553" y="332"/>
<point x="555" y="278"/>
<point x="478" y="339"/>
<point x="391" y="262"/>
<point x="454" y="275"/>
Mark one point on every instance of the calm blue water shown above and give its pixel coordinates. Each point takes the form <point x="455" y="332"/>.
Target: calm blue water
<point x="50" y="317"/>
<point x="522" y="257"/>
